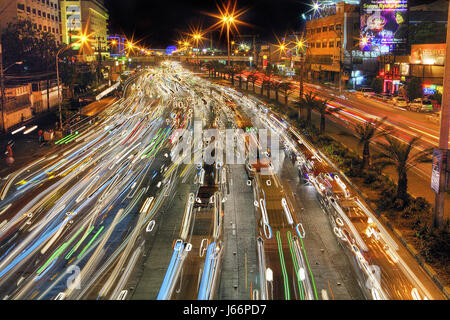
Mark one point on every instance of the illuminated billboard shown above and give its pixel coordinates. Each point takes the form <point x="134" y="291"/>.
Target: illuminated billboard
<point x="73" y="23"/>
<point x="384" y="25"/>
<point x="428" y="54"/>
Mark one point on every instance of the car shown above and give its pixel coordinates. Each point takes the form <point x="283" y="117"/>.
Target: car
<point x="379" y="96"/>
<point x="421" y="105"/>
<point x="400" y="102"/>
<point x="366" y="91"/>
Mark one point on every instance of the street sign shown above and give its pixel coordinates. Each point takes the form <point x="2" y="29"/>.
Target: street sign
<point x="439" y="159"/>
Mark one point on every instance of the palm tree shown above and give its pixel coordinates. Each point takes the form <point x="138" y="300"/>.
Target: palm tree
<point x="217" y="67"/>
<point x="275" y="86"/>
<point x="306" y="102"/>
<point x="253" y="79"/>
<point x="366" y="132"/>
<point x="208" y="66"/>
<point x="287" y="88"/>
<point x="240" y="81"/>
<point x="267" y="84"/>
<point x="236" y="69"/>
<point x="321" y="106"/>
<point x="398" y="154"/>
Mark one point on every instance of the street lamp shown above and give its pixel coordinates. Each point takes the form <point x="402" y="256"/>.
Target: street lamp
<point x="197" y="37"/>
<point x="82" y="41"/>
<point x="300" y="47"/>
<point x="15" y="63"/>
<point x="228" y="18"/>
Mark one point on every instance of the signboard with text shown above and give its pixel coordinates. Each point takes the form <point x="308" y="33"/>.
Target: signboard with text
<point x="73" y="23"/>
<point x="384" y="25"/>
<point x="428" y="53"/>
<point x="439" y="160"/>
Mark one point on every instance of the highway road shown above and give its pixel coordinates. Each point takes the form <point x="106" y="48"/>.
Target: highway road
<point x="78" y="224"/>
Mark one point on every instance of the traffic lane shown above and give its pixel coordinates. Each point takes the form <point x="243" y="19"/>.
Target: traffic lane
<point x="331" y="266"/>
<point x="413" y="123"/>
<point x="418" y="176"/>
<point x="390" y="279"/>
<point x="280" y="244"/>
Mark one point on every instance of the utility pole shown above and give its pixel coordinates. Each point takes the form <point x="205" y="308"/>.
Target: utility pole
<point x="439" y="216"/>
<point x="302" y="62"/>
<point x="2" y="87"/>
<point x="228" y="44"/>
<point x="99" y="59"/>
<point x="341" y="56"/>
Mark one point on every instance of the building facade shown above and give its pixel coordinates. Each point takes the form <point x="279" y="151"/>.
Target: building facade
<point x="332" y="37"/>
<point x="88" y="17"/>
<point x="425" y="62"/>
<point x="43" y="14"/>
<point x="18" y="106"/>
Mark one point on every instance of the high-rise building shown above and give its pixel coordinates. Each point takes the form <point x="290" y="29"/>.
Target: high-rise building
<point x="43" y="14"/>
<point x="332" y="35"/>
<point x="88" y="17"/>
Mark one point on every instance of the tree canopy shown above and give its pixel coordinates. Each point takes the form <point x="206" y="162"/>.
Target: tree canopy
<point x="427" y="32"/>
<point x="36" y="50"/>
<point x="414" y="88"/>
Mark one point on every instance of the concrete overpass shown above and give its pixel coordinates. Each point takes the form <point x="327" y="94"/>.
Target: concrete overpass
<point x="202" y="58"/>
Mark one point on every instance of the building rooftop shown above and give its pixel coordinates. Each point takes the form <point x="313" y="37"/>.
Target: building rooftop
<point x="428" y="16"/>
<point x="439" y="5"/>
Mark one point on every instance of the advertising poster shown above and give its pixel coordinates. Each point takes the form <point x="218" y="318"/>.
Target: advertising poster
<point x="384" y="25"/>
<point x="436" y="169"/>
<point x="428" y="54"/>
<point x="73" y="22"/>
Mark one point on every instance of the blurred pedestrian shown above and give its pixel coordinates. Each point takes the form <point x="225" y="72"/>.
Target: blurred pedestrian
<point x="40" y="134"/>
<point x="9" y="155"/>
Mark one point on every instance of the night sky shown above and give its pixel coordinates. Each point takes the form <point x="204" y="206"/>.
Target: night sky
<point x="159" y="23"/>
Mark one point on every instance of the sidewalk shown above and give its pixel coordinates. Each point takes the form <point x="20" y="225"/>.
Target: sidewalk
<point x="26" y="148"/>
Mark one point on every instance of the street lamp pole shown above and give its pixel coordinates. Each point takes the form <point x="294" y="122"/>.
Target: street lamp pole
<point x="82" y="40"/>
<point x="2" y="87"/>
<point x="57" y="78"/>
<point x="228" y="43"/>
<point x="439" y="216"/>
<point x="302" y="62"/>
